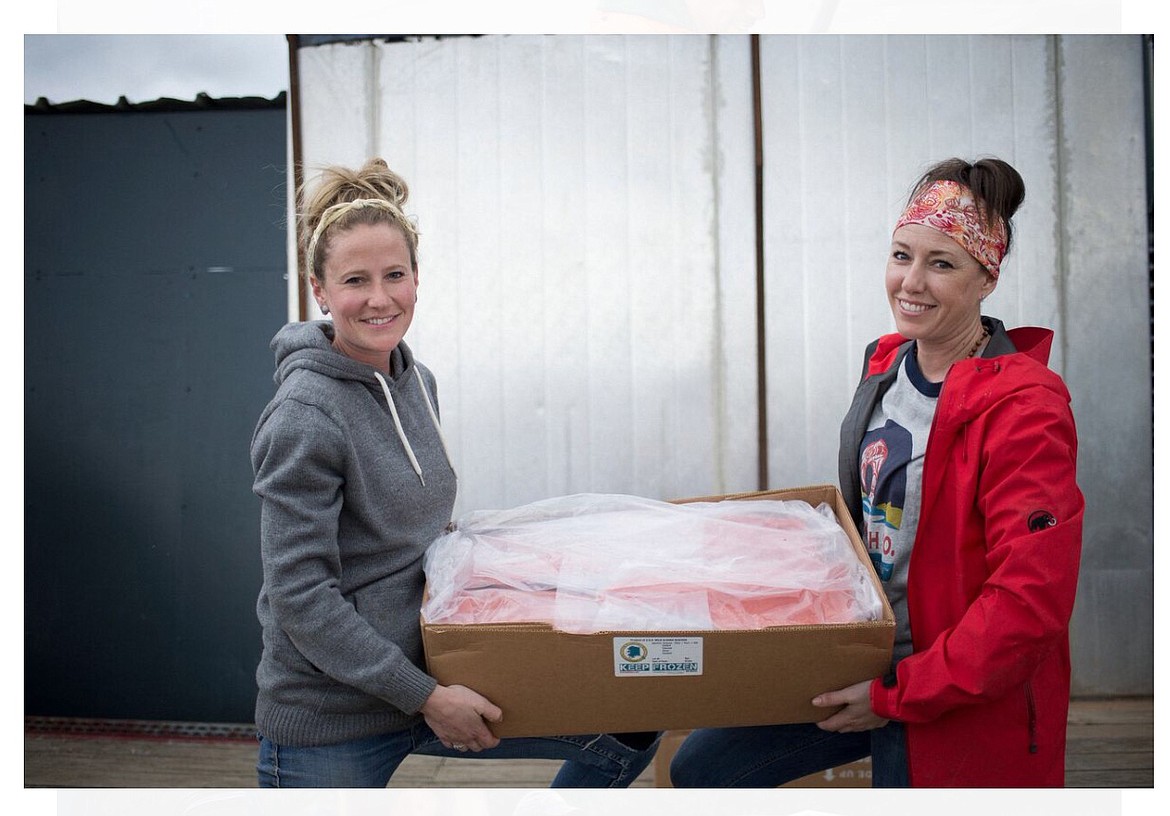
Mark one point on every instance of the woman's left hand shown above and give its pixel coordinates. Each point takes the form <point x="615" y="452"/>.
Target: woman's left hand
<point x="856" y="715"/>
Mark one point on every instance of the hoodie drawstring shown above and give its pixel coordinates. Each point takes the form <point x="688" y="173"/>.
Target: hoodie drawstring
<point x="434" y="415"/>
<point x="398" y="423"/>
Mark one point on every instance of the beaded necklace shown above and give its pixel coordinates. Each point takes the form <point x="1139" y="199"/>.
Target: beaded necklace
<point x="983" y="335"/>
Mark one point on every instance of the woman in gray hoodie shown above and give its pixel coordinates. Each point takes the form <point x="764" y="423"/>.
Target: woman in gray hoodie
<point x="355" y="482"/>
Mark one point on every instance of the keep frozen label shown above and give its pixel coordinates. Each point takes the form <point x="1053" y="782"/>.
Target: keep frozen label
<point x="657" y="656"/>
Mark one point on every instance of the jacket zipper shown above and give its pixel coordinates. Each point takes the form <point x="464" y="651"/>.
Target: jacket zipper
<point x="1031" y="698"/>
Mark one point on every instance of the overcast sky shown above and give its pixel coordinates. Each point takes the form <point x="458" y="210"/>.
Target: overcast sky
<point x="101" y="68"/>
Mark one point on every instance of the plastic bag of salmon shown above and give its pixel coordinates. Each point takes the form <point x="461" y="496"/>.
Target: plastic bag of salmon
<point x="589" y="563"/>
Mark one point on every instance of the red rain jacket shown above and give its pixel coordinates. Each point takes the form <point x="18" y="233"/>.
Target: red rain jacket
<point x="993" y="571"/>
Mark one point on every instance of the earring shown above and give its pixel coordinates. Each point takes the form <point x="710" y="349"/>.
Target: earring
<point x="324" y="308"/>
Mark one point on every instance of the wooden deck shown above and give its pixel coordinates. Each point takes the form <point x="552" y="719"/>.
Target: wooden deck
<point x="1110" y="745"/>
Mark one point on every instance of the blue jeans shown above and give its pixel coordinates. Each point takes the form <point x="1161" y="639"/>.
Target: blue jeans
<point x="592" y="760"/>
<point x="769" y="755"/>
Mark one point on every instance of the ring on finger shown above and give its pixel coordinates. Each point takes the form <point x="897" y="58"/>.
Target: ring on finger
<point x="458" y="746"/>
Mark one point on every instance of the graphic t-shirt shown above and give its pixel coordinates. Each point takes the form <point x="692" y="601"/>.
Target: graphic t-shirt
<point x="890" y="465"/>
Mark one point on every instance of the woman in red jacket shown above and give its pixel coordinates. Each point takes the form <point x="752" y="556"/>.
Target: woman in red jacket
<point x="958" y="459"/>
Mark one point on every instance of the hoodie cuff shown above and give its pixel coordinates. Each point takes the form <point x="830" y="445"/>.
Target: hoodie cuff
<point x="412" y="687"/>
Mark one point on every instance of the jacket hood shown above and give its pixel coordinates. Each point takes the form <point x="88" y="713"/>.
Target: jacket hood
<point x="1033" y="341"/>
<point x="1015" y="360"/>
<point x="309" y="345"/>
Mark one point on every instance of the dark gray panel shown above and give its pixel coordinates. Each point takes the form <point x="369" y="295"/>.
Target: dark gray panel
<point x="154" y="279"/>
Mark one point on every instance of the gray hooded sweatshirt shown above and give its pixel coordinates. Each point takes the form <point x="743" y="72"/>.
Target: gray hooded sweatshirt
<point x="355" y="483"/>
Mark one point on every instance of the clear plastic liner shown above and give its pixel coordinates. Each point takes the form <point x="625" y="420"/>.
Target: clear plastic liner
<point x="588" y="563"/>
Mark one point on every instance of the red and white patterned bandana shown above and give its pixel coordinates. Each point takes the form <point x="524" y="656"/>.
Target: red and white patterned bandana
<point x="949" y="207"/>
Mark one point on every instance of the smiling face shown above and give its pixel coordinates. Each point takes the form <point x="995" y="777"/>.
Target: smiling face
<point x="934" y="287"/>
<point x="370" y="288"/>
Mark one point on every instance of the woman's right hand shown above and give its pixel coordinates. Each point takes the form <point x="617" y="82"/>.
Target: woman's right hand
<point x="459" y="717"/>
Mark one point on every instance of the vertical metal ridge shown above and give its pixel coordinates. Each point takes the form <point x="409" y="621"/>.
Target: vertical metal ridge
<point x="761" y="347"/>
<point x="294" y="107"/>
<point x="1148" y="99"/>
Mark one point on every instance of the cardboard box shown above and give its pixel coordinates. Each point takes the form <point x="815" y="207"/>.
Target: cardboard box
<point x="550" y="682"/>
<point x="857" y="774"/>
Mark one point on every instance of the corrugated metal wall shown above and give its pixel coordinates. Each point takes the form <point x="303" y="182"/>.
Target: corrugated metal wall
<point x="586" y="271"/>
<point x="154" y="277"/>
<point x="850" y="123"/>
<point x="1105" y="279"/>
<point x="588" y="261"/>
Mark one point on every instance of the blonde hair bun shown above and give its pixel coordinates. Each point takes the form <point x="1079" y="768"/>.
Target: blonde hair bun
<point x="336" y="186"/>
